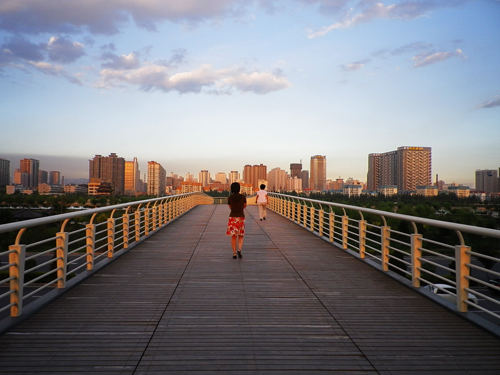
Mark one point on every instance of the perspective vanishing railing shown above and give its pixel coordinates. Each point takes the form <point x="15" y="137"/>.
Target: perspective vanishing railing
<point x="414" y="247"/>
<point x="59" y="251"/>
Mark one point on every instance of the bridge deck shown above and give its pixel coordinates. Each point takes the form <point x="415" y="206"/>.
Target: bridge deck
<point x="294" y="304"/>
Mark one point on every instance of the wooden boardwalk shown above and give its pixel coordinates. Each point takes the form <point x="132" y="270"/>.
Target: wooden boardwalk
<point x="179" y="304"/>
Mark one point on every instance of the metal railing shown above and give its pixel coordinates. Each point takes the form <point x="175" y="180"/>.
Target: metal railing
<point x="412" y="246"/>
<point x="56" y="251"/>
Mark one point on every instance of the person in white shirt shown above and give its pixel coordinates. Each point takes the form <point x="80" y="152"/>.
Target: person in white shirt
<point x="262" y="201"/>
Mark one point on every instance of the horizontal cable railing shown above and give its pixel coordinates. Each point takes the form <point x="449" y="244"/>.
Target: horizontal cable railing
<point x="409" y="247"/>
<point x="50" y="252"/>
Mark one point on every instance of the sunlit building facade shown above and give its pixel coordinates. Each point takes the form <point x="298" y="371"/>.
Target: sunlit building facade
<point x="30" y="168"/>
<point x="132" y="177"/>
<point x="157" y="179"/>
<point x="317" y="179"/>
<point x="109" y="169"/>
<point x="54" y="178"/>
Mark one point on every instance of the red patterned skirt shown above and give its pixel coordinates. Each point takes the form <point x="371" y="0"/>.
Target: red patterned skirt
<point x="236" y="226"/>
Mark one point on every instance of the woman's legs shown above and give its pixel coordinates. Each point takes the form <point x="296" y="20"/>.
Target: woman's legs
<point x="234" y="240"/>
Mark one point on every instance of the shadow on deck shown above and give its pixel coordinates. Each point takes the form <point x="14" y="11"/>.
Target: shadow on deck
<point x="179" y="303"/>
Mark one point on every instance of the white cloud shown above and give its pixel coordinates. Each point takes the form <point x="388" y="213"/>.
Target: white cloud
<point x="204" y="79"/>
<point x="354" y="66"/>
<point x="63" y="50"/>
<point x="425" y="59"/>
<point x="409" y="9"/>
<point x="495" y="102"/>
<point x="54" y="70"/>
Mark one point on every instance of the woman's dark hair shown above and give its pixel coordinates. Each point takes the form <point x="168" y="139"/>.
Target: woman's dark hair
<point x="262" y="187"/>
<point x="235" y="187"/>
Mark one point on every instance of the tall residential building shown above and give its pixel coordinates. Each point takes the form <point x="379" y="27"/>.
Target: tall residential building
<point x="414" y="167"/>
<point x="317" y="179"/>
<point x="204" y="178"/>
<point x="382" y="170"/>
<point x="295" y="170"/>
<point x="234" y="176"/>
<point x="252" y="174"/>
<point x="132" y="178"/>
<point x="277" y="180"/>
<point x="487" y="180"/>
<point x="157" y="179"/>
<point x="221" y="177"/>
<point x="43" y="177"/>
<point x="4" y="172"/>
<point x="304" y="175"/>
<point x="54" y="178"/>
<point x="189" y="177"/>
<point x="109" y="169"/>
<point x="406" y="168"/>
<point x="30" y="167"/>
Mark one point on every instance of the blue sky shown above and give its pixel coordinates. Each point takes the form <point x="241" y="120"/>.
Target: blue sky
<point x="218" y="84"/>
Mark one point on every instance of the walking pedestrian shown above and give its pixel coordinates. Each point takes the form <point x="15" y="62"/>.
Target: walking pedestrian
<point x="236" y="224"/>
<point x="262" y="200"/>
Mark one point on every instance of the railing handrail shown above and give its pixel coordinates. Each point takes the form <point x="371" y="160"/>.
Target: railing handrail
<point x="59" y="217"/>
<point x="437" y="223"/>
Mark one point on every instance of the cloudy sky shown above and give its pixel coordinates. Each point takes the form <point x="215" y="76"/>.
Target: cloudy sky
<point x="217" y="84"/>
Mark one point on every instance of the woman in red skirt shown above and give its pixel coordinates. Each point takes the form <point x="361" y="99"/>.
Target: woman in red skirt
<point x="236" y="225"/>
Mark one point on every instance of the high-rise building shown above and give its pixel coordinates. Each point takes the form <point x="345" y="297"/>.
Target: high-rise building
<point x="189" y="177"/>
<point x="382" y="170"/>
<point x="43" y="177"/>
<point x="132" y="178"/>
<point x="414" y="167"/>
<point x="54" y="178"/>
<point x="4" y="172"/>
<point x="487" y="180"/>
<point x="252" y="174"/>
<point x="406" y="168"/>
<point x="221" y="177"/>
<point x="204" y="178"/>
<point x="295" y="169"/>
<point x="109" y="169"/>
<point x="157" y="178"/>
<point x="317" y="179"/>
<point x="277" y="180"/>
<point x="304" y="175"/>
<point x="30" y="167"/>
<point x="234" y="176"/>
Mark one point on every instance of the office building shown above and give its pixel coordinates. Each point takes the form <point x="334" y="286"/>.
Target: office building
<point x="487" y="180"/>
<point x="304" y="175"/>
<point x="109" y="169"/>
<point x="157" y="179"/>
<point x="317" y="179"/>
<point x="407" y="168"/>
<point x="4" y="172"/>
<point x="30" y="168"/>
<point x="54" y="178"/>
<point x="132" y="178"/>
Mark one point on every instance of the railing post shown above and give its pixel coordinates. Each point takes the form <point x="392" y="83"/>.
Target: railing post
<point x="320" y="229"/>
<point x="137" y="225"/>
<point x="165" y="212"/>
<point x="289" y="209"/>
<point x="345" y="231"/>
<point x="294" y="210"/>
<point x="311" y="214"/>
<point x="126" y="230"/>
<point x="62" y="258"/>
<point x="463" y="258"/>
<point x="90" y="234"/>
<point x="16" y="272"/>
<point x="146" y="221"/>
<point x="154" y="217"/>
<point x="416" y="255"/>
<point x="304" y="211"/>
<point x="331" y="226"/>
<point x="384" y="246"/>
<point x="362" y="238"/>
<point x="111" y="236"/>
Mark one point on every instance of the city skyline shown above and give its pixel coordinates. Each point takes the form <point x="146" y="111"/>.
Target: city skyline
<point x="176" y="83"/>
